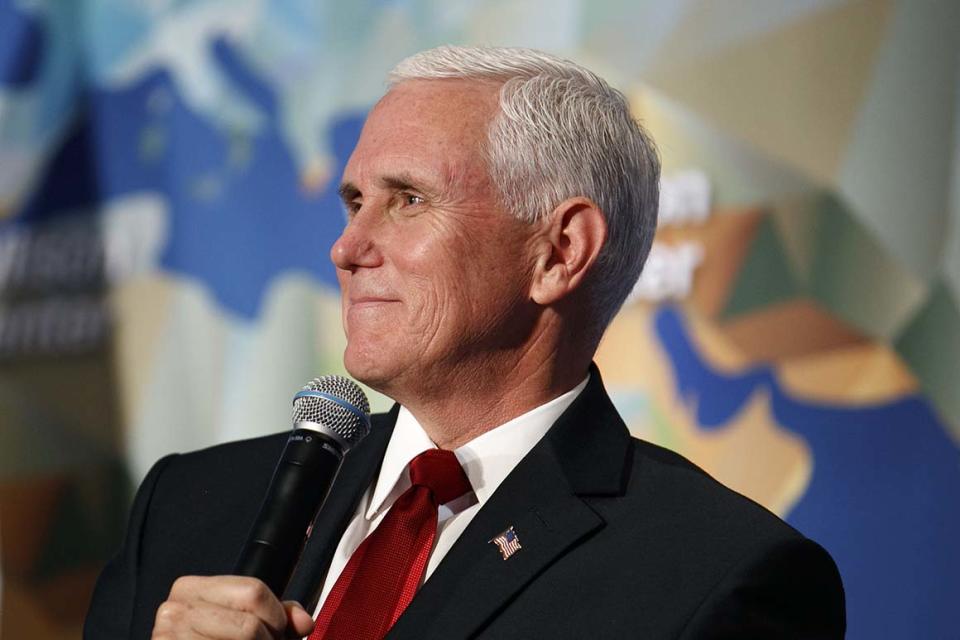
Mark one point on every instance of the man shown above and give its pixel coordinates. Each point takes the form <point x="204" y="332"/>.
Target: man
<point x="500" y="203"/>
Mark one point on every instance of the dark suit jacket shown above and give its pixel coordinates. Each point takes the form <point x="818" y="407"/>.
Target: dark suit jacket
<point x="620" y="538"/>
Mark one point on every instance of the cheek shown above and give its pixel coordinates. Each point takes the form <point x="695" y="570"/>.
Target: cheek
<point x="457" y="280"/>
<point x="427" y="265"/>
<point x="437" y="293"/>
<point x="429" y="306"/>
<point x="467" y="300"/>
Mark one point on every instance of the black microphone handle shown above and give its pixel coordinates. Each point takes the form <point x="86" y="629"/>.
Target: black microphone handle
<point x="300" y="484"/>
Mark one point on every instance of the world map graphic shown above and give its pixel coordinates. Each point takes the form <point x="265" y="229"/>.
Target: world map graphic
<point x="243" y="212"/>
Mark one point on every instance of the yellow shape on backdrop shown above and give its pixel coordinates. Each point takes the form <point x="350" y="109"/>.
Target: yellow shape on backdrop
<point x="752" y="453"/>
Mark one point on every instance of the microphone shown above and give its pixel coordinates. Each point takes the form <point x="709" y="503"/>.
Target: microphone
<point x="330" y="416"/>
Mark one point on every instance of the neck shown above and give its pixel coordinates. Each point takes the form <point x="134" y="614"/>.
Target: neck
<point x="477" y="397"/>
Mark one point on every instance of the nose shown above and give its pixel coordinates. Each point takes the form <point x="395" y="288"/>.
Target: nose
<point x="356" y="247"/>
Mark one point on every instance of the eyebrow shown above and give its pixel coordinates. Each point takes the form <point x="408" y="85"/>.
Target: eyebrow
<point x="348" y="191"/>
<point x="402" y="181"/>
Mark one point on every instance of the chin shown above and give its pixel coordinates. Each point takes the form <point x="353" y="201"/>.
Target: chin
<point x="368" y="368"/>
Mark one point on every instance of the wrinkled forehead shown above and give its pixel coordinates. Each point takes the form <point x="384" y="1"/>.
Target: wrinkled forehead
<point x="426" y="123"/>
<point x="453" y="109"/>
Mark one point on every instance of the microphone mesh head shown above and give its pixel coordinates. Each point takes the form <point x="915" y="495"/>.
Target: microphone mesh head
<point x="349" y="425"/>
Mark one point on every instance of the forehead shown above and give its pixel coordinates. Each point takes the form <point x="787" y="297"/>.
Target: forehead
<point x="443" y="120"/>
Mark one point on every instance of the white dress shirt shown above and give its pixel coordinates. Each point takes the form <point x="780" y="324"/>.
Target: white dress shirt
<point x="487" y="460"/>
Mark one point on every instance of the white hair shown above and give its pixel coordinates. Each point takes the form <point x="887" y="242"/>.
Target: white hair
<point x="562" y="132"/>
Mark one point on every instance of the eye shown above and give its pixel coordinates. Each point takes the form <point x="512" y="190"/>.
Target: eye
<point x="351" y="207"/>
<point x="410" y="199"/>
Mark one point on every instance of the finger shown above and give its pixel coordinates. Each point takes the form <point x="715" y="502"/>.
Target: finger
<point x="211" y="622"/>
<point x="169" y="621"/>
<point x="232" y="592"/>
<point x="219" y="623"/>
<point x="299" y="622"/>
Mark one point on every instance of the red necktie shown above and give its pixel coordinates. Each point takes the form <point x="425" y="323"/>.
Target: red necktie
<point x="384" y="572"/>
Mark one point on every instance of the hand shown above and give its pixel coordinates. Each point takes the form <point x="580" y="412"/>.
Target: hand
<point x="228" y="607"/>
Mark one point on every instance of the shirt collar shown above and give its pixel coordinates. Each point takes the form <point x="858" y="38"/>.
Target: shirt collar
<point x="487" y="459"/>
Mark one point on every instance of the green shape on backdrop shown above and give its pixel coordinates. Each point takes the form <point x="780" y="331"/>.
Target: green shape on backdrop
<point x="765" y="277"/>
<point x="856" y="278"/>
<point x="931" y="346"/>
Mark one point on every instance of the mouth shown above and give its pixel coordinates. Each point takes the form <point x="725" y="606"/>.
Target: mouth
<point x="369" y="302"/>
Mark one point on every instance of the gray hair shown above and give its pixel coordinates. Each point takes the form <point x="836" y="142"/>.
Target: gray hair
<point x="562" y="132"/>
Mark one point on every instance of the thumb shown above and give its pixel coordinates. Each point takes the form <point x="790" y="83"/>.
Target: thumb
<point x="299" y="622"/>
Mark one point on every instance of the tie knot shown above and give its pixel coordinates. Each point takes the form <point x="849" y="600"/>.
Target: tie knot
<point x="440" y="471"/>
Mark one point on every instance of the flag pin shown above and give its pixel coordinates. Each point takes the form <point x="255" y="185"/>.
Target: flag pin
<point x="507" y="542"/>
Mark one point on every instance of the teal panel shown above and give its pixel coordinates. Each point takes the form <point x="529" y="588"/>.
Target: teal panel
<point x="765" y="277"/>
<point x="931" y="346"/>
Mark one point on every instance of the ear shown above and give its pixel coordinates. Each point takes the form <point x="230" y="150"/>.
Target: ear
<point x="571" y="239"/>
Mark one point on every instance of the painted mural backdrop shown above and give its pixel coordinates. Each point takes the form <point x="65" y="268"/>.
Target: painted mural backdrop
<point x="167" y="202"/>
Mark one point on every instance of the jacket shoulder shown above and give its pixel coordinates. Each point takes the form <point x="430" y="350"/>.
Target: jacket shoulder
<point x="191" y="515"/>
<point x="239" y="456"/>
<point x="693" y="495"/>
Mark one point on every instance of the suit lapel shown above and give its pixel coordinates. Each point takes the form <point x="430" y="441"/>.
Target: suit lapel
<point x="584" y="454"/>
<point x="359" y="468"/>
<point x="473" y="581"/>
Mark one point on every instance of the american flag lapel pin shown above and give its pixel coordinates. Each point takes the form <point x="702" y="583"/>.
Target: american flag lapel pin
<point x="507" y="542"/>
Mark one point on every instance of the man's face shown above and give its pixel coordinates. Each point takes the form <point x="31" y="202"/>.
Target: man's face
<point x="434" y="274"/>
